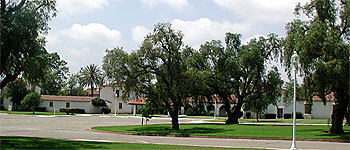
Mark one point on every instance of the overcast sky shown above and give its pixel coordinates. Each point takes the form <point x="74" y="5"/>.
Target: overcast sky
<point x="84" y="29"/>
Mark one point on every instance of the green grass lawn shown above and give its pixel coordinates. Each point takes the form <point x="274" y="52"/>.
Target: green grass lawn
<point x="261" y="131"/>
<point x="43" y="143"/>
<point x="30" y="113"/>
<point x="301" y="121"/>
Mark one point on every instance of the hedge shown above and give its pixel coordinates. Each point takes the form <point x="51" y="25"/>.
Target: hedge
<point x="72" y="110"/>
<point x="270" y="116"/>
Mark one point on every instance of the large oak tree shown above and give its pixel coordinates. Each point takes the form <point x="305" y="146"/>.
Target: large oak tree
<point x="322" y="42"/>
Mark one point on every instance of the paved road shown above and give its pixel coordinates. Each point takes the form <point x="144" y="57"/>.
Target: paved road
<point x="76" y="128"/>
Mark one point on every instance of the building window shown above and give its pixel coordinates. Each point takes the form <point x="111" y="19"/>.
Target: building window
<point x="120" y="105"/>
<point x="117" y="92"/>
<point x="67" y="105"/>
<point x="51" y="104"/>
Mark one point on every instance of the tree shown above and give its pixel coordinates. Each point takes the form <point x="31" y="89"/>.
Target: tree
<point x="73" y="88"/>
<point x="22" y="26"/>
<point x="99" y="103"/>
<point x="158" y="69"/>
<point x="55" y="76"/>
<point x="31" y="101"/>
<point x="89" y="76"/>
<point x="239" y="70"/>
<point x="322" y="42"/>
<point x="16" y="90"/>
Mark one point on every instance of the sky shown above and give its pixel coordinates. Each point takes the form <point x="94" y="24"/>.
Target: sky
<point x="84" y="29"/>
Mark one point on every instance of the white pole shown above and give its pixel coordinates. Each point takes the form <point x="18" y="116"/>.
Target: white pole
<point x="115" y="107"/>
<point x="215" y="110"/>
<point x="54" y="111"/>
<point x="135" y="110"/>
<point x="293" y="147"/>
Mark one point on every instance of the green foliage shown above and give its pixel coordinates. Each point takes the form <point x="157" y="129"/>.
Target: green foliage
<point x="322" y="41"/>
<point x="22" y="26"/>
<point x="147" y="111"/>
<point x="89" y="76"/>
<point x="239" y="70"/>
<point x="270" y="116"/>
<point x="73" y="88"/>
<point x="106" y="110"/>
<point x="159" y="69"/>
<point x="72" y="110"/>
<point x="99" y="102"/>
<point x="196" y="111"/>
<point x="55" y="76"/>
<point x="31" y="101"/>
<point x="16" y="91"/>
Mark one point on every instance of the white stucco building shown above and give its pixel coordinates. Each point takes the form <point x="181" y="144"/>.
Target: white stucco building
<point x="54" y="103"/>
<point x="113" y="94"/>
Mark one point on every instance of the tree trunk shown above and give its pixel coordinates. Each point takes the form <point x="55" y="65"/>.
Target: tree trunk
<point x="175" y="119"/>
<point x="234" y="116"/>
<point x="338" y="114"/>
<point x="92" y="90"/>
<point x="257" y="117"/>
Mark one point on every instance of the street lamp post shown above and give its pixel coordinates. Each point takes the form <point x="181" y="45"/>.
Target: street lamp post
<point x="295" y="61"/>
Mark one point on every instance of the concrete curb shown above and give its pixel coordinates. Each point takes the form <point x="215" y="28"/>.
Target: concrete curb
<point x="221" y="137"/>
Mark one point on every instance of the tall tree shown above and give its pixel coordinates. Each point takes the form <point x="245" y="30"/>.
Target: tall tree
<point x="239" y="69"/>
<point x="55" y="75"/>
<point x="89" y="76"/>
<point x="322" y="41"/>
<point x="158" y="69"/>
<point x="22" y="24"/>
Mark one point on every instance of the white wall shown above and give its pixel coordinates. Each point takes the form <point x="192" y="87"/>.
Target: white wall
<point x="109" y="94"/>
<point x="320" y="111"/>
<point x="89" y="108"/>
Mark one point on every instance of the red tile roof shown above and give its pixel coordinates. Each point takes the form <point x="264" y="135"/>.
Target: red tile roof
<point x="96" y="92"/>
<point x="138" y="101"/>
<point x="329" y="98"/>
<point x="66" y="98"/>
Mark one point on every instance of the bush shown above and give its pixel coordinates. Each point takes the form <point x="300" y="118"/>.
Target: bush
<point x="287" y="116"/>
<point x="72" y="110"/>
<point x="106" y="110"/>
<point x="240" y="115"/>
<point x="40" y="109"/>
<point x="2" y="108"/>
<point x="248" y="115"/>
<point x="270" y="116"/>
<point x="299" y="115"/>
<point x="195" y="111"/>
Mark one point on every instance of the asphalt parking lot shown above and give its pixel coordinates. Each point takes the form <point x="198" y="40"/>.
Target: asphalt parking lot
<point x="77" y="128"/>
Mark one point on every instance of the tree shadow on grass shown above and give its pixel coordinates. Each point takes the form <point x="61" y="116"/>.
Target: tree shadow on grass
<point x="164" y="130"/>
<point x="9" y="142"/>
<point x="343" y="136"/>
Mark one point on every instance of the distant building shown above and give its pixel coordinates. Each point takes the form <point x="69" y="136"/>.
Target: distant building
<point x="54" y="103"/>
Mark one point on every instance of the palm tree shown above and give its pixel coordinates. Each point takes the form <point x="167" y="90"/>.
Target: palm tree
<point x="89" y="76"/>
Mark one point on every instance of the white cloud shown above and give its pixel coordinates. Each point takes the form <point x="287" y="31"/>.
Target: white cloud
<point x="81" y="45"/>
<point x="79" y="6"/>
<point x="93" y="33"/>
<point x="269" y="11"/>
<point x="199" y="31"/>
<point x="138" y="33"/>
<point x="178" y="4"/>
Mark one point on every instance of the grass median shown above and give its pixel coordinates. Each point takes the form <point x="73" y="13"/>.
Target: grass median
<point x="221" y="130"/>
<point x="10" y="142"/>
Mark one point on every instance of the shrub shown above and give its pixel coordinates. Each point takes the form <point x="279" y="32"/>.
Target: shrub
<point x="106" y="110"/>
<point x="287" y="116"/>
<point x="2" y="108"/>
<point x="31" y="101"/>
<point x="299" y="115"/>
<point x="270" y="116"/>
<point x="99" y="102"/>
<point x="248" y="115"/>
<point x="195" y="111"/>
<point x="72" y="110"/>
<point x="240" y="115"/>
<point x="40" y="109"/>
